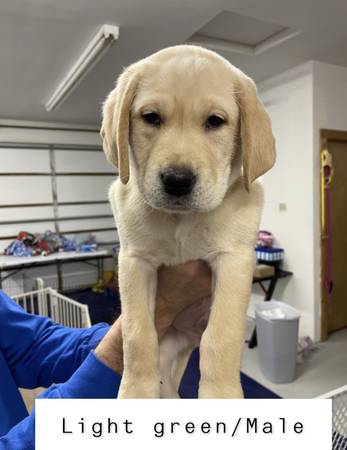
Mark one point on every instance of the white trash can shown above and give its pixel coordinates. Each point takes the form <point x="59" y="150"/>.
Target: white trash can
<point x="277" y="327"/>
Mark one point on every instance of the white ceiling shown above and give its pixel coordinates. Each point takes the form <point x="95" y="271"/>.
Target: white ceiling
<point x="40" y="39"/>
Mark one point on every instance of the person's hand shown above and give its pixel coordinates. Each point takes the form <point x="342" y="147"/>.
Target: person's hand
<point x="180" y="292"/>
<point x="180" y="300"/>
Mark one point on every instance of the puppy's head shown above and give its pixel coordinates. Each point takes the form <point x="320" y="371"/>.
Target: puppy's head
<point x="183" y="122"/>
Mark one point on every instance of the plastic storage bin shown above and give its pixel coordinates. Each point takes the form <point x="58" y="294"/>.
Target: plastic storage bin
<point x="277" y="336"/>
<point x="269" y="254"/>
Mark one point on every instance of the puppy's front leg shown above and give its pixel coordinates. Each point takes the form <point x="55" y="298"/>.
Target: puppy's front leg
<point x="222" y="342"/>
<point x="138" y="284"/>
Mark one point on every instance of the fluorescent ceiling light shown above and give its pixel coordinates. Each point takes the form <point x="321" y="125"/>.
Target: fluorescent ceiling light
<point x="95" y="50"/>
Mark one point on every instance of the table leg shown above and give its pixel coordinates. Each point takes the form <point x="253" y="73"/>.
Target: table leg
<point x="60" y="277"/>
<point x="271" y="289"/>
<point x="100" y="268"/>
<point x="253" y="341"/>
<point x="268" y="296"/>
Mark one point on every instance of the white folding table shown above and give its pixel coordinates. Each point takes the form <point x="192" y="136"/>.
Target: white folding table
<point x="14" y="264"/>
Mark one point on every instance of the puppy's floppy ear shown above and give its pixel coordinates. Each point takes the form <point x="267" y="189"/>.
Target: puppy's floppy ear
<point x="108" y="131"/>
<point x="115" y="123"/>
<point x="257" y="141"/>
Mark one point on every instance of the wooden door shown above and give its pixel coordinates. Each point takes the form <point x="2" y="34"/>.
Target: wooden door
<point x="337" y="310"/>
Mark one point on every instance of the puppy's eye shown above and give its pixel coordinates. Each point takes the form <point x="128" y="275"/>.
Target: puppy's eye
<point x="152" y="118"/>
<point x="214" y="121"/>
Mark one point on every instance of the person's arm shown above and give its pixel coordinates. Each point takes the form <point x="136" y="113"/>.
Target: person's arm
<point x="97" y="376"/>
<point x="40" y="352"/>
<point x="93" y="379"/>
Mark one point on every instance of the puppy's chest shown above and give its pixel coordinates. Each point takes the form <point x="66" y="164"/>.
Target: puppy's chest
<point x="173" y="239"/>
<point x="188" y="243"/>
<point x="183" y="243"/>
<point x="173" y="243"/>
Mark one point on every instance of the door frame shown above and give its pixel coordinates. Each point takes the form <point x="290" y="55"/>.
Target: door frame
<point x="326" y="136"/>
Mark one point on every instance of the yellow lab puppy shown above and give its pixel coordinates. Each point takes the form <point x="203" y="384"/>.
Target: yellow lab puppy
<point x="189" y="136"/>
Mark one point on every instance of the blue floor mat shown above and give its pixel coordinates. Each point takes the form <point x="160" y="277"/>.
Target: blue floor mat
<point x="105" y="307"/>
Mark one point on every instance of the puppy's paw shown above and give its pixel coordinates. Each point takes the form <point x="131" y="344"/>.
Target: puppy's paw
<point x="222" y="390"/>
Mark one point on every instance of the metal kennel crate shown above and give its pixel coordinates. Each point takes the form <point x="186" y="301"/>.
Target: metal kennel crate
<point x="61" y="309"/>
<point x="339" y="425"/>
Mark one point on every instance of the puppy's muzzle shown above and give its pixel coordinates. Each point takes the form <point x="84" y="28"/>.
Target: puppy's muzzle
<point x="178" y="181"/>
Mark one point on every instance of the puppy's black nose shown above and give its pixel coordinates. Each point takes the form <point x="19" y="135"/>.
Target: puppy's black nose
<point x="178" y="181"/>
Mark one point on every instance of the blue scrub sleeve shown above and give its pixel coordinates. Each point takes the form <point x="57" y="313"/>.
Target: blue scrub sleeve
<point x="40" y="352"/>
<point x="93" y="379"/>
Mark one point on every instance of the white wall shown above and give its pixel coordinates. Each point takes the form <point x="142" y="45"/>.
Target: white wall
<point x="301" y="102"/>
<point x="289" y="100"/>
<point x="330" y="96"/>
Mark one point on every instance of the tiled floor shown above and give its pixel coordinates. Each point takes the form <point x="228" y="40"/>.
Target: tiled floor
<point x="325" y="369"/>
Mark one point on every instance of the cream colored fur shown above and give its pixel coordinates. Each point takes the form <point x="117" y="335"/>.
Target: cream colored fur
<point x="217" y="223"/>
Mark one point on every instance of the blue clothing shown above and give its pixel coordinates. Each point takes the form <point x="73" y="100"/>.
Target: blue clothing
<point x="34" y="351"/>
